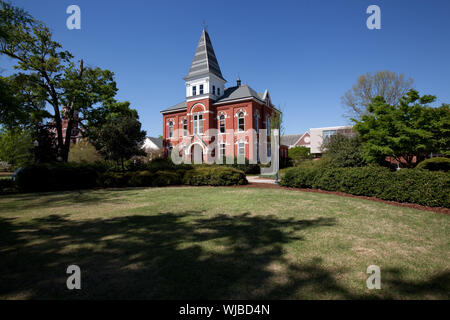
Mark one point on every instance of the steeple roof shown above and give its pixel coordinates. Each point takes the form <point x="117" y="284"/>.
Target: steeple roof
<point x="205" y="60"/>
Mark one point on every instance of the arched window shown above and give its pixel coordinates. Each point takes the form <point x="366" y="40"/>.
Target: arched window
<point x="222" y="124"/>
<point x="170" y="129"/>
<point x="185" y="128"/>
<point x="241" y="121"/>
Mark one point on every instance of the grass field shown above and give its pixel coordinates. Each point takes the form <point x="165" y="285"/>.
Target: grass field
<point x="218" y="243"/>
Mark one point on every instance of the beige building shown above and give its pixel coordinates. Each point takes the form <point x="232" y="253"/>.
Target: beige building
<point x="319" y="134"/>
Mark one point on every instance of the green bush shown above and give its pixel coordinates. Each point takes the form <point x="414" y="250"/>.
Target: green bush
<point x="58" y="176"/>
<point x="299" y="154"/>
<point x="113" y="180"/>
<point x="246" y="167"/>
<point x="6" y="185"/>
<point x="435" y="164"/>
<point x="139" y="179"/>
<point x="72" y="176"/>
<point x="406" y="185"/>
<point x="214" y="176"/>
<point x="166" y="178"/>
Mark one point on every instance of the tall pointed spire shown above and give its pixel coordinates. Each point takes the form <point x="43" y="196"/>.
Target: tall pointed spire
<point x="205" y="60"/>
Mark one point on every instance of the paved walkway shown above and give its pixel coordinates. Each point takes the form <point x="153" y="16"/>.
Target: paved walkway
<point x="257" y="179"/>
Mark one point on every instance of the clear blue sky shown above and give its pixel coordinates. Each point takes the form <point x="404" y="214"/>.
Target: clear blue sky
<point x="307" y="53"/>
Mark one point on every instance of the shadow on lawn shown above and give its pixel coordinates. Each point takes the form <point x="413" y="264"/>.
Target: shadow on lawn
<point x="23" y="201"/>
<point x="165" y="256"/>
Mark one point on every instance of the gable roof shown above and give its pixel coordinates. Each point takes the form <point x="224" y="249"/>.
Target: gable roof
<point x="157" y="141"/>
<point x="290" y="139"/>
<point x="205" y="60"/>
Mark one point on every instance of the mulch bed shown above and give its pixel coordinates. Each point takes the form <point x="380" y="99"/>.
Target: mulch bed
<point x="399" y="204"/>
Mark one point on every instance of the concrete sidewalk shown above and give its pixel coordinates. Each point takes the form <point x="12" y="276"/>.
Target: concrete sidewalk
<point x="257" y="179"/>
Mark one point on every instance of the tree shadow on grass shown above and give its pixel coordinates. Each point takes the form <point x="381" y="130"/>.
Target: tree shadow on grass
<point x="166" y="256"/>
<point x="23" y="201"/>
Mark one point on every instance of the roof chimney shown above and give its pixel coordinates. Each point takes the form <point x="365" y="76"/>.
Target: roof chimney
<point x="238" y="81"/>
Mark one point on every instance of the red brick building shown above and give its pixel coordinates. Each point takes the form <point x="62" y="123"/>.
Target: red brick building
<point x="230" y="112"/>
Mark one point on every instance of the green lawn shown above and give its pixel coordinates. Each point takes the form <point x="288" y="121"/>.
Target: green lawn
<point x="218" y="243"/>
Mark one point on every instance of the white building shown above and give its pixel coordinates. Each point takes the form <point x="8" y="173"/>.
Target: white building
<point x="319" y="134"/>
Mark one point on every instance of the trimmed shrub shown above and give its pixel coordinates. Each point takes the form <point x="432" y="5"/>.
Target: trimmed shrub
<point x="214" y="176"/>
<point x="246" y="167"/>
<point x="113" y="180"/>
<point x="435" y="164"/>
<point x="6" y="185"/>
<point x="160" y="164"/>
<point x="406" y="185"/>
<point x="72" y="176"/>
<point x="140" y="179"/>
<point x="57" y="176"/>
<point x="166" y="178"/>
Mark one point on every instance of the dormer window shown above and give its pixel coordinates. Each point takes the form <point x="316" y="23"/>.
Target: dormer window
<point x="194" y="90"/>
<point x="201" y="89"/>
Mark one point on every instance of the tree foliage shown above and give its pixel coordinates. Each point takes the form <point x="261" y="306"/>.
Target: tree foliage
<point x="84" y="151"/>
<point x="299" y="154"/>
<point x="342" y="151"/>
<point x="389" y="85"/>
<point x="119" y="138"/>
<point x="403" y="131"/>
<point x="16" y="147"/>
<point x="48" y="75"/>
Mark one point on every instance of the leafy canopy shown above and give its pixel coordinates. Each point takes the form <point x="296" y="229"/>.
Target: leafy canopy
<point x="411" y="128"/>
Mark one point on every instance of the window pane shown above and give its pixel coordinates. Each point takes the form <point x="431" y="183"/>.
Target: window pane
<point x="241" y="125"/>
<point x="194" y="90"/>
<point x="170" y="129"/>
<point x="195" y="124"/>
<point x="241" y="150"/>
<point x="222" y="124"/>
<point x="201" y="89"/>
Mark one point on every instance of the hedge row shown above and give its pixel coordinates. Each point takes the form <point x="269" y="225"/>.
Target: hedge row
<point x="53" y="177"/>
<point x="435" y="164"/>
<point x="214" y="176"/>
<point x="407" y="185"/>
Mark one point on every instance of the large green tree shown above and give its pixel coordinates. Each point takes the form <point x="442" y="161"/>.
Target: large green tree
<point x="120" y="137"/>
<point x="49" y="75"/>
<point x="403" y="131"/>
